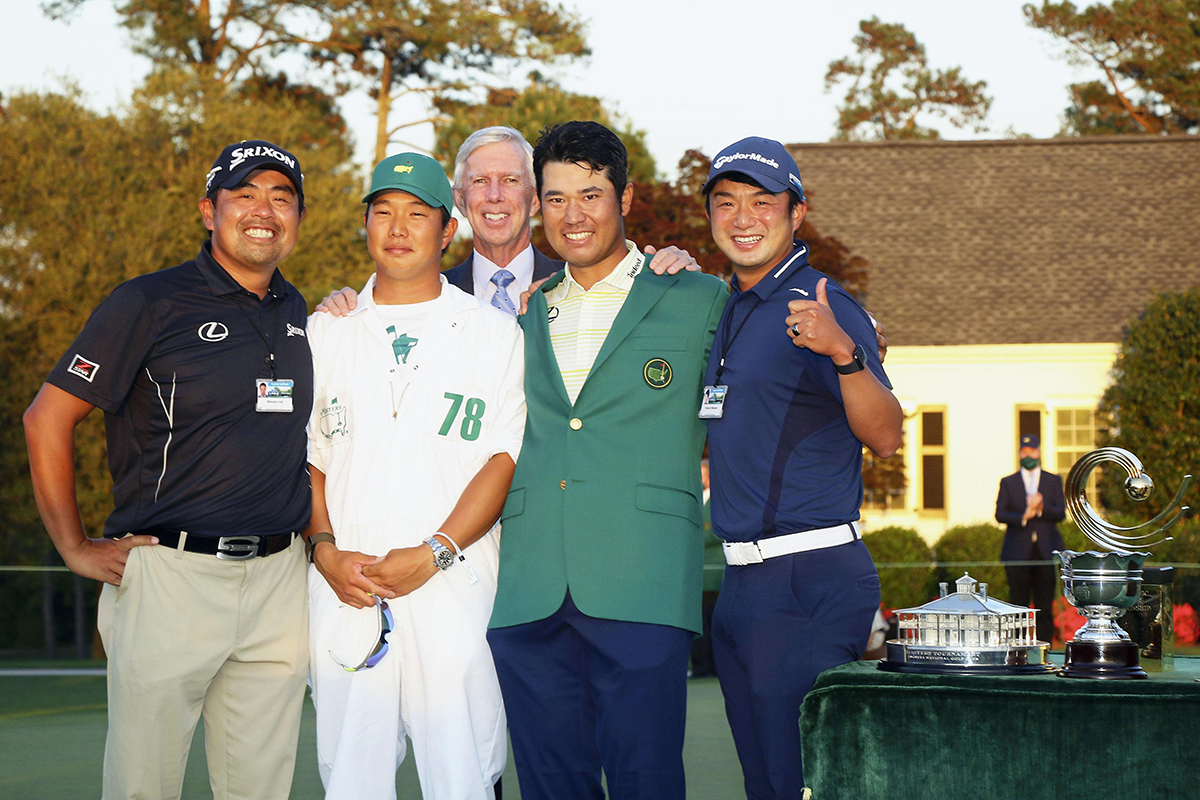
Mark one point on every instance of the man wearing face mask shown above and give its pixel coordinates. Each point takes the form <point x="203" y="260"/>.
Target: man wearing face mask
<point x="1031" y="504"/>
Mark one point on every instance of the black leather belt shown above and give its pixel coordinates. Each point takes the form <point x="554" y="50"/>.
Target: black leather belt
<point x="227" y="548"/>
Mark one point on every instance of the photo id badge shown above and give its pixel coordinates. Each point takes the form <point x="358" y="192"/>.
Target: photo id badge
<point x="712" y="406"/>
<point x="273" y="395"/>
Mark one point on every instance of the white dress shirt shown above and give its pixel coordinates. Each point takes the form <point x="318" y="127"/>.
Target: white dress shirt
<point x="1031" y="477"/>
<point x="482" y="270"/>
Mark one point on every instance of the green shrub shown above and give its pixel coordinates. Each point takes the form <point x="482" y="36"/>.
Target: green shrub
<point x="902" y="587"/>
<point x="1184" y="548"/>
<point x="1073" y="538"/>
<point x="973" y="543"/>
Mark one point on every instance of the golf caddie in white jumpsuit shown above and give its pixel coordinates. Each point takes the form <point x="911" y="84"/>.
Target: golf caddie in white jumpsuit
<point x="417" y="421"/>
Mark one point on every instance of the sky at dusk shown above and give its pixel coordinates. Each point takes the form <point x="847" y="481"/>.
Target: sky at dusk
<point x="724" y="71"/>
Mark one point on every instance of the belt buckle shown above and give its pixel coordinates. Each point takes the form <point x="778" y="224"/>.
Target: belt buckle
<point x="237" y="548"/>
<point x="742" y="553"/>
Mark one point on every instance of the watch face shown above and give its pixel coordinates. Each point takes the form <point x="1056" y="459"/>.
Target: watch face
<point x="443" y="558"/>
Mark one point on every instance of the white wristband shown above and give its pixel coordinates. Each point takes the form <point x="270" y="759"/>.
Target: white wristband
<point x="472" y="576"/>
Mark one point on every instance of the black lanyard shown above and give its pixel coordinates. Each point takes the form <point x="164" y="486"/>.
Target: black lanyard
<point x="261" y="335"/>
<point x="727" y="340"/>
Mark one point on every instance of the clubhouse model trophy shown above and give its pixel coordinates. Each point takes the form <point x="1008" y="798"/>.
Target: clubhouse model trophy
<point x="966" y="632"/>
<point x="1102" y="585"/>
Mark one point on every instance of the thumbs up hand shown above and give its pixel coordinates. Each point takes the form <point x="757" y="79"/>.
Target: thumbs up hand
<point x="812" y="324"/>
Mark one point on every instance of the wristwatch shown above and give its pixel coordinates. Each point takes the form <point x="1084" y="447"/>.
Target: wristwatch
<point x="858" y="363"/>
<point x="443" y="559"/>
<point x="310" y="544"/>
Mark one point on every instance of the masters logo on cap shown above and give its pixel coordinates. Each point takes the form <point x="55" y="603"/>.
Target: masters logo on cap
<point x="416" y="174"/>
<point x="765" y="160"/>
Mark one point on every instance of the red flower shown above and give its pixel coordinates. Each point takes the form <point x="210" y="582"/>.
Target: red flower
<point x="1186" y="626"/>
<point x="1066" y="619"/>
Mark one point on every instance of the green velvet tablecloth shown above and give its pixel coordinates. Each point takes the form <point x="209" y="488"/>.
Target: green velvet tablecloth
<point x="872" y="734"/>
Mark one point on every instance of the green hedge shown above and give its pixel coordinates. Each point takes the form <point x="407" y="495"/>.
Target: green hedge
<point x="1184" y="548"/>
<point x="902" y="587"/>
<point x="980" y="542"/>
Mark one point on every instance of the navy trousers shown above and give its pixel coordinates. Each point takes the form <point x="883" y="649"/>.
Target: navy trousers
<point x="776" y="627"/>
<point x="585" y="694"/>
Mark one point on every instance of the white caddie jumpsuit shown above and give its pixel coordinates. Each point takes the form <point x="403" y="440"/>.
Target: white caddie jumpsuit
<point x="398" y="444"/>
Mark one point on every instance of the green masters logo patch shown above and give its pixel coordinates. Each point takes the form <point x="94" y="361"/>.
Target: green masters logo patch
<point x="402" y="344"/>
<point x="334" y="421"/>
<point x="657" y="373"/>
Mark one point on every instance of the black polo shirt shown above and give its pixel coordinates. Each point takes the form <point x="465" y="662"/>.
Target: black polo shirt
<point x="172" y="358"/>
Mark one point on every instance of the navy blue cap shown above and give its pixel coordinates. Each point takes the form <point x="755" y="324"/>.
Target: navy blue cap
<point x="239" y="160"/>
<point x="1031" y="440"/>
<point x="765" y="160"/>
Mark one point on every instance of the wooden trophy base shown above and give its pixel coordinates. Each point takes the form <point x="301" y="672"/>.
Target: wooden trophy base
<point x="1102" y="661"/>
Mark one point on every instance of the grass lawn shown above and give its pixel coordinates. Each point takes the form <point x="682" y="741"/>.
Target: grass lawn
<point x="53" y="730"/>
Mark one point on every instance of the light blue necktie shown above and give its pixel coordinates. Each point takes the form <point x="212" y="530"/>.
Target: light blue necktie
<point x="502" y="278"/>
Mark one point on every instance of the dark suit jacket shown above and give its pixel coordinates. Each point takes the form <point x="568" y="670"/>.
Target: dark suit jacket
<point x="1010" y="507"/>
<point x="461" y="276"/>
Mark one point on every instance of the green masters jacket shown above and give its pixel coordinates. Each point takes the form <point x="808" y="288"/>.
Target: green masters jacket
<point x="605" y="501"/>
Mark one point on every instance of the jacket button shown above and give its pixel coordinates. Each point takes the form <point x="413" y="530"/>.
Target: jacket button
<point x="576" y="423"/>
<point x="562" y="485"/>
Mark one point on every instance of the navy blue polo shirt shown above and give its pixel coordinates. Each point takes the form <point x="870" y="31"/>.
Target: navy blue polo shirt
<point x="172" y="357"/>
<point x="782" y="456"/>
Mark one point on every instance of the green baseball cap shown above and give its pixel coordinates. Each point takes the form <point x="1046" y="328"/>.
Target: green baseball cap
<point x="416" y="174"/>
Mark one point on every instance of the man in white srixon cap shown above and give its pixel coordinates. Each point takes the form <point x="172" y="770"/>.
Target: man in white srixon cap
<point x="794" y="390"/>
<point x="416" y="427"/>
<point x="208" y="467"/>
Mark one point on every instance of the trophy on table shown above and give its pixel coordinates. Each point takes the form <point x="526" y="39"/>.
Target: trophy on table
<point x="1103" y="584"/>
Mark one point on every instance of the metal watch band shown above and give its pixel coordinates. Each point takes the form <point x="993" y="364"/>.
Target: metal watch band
<point x="443" y="559"/>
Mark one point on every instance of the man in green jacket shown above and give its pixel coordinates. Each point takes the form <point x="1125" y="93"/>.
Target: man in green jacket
<point x="602" y="545"/>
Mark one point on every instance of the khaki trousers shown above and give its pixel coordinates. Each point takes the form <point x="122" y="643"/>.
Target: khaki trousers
<point x="189" y="634"/>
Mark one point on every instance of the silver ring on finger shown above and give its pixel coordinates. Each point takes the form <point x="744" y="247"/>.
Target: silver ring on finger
<point x="794" y="331"/>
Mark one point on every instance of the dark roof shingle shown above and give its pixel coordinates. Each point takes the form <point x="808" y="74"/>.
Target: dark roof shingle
<point x="1022" y="240"/>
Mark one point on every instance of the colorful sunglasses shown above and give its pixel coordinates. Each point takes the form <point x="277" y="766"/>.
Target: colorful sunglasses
<point x="386" y="624"/>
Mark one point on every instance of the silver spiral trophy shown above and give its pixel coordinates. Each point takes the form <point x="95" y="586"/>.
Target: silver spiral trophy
<point x="1103" y="584"/>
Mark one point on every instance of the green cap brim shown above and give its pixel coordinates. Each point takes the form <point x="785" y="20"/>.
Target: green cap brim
<point x="420" y="194"/>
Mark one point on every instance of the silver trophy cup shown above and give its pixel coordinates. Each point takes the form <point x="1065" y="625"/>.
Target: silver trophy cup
<point x="1102" y="585"/>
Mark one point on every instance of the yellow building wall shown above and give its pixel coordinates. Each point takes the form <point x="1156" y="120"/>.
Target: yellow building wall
<point x="980" y="387"/>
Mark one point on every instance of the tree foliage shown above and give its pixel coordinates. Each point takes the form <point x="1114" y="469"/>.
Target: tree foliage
<point x="979" y="542"/>
<point x="1152" y="407"/>
<point x="540" y="105"/>
<point x="102" y="198"/>
<point x="389" y="48"/>
<point x="891" y="88"/>
<point x="902" y="587"/>
<point x="438" y="47"/>
<point x="1149" y="54"/>
<point x="223" y="46"/>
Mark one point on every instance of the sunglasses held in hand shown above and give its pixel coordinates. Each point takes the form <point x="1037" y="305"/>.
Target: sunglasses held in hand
<point x="385" y="625"/>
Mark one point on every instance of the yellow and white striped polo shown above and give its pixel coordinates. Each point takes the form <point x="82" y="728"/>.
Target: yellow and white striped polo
<point x="583" y="317"/>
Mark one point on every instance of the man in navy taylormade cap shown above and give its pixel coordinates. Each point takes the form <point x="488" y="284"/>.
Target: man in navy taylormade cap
<point x="795" y="389"/>
<point x="204" y="604"/>
<point x="764" y="160"/>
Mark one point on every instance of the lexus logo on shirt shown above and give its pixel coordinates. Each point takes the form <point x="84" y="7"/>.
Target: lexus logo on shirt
<point x="213" y="331"/>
